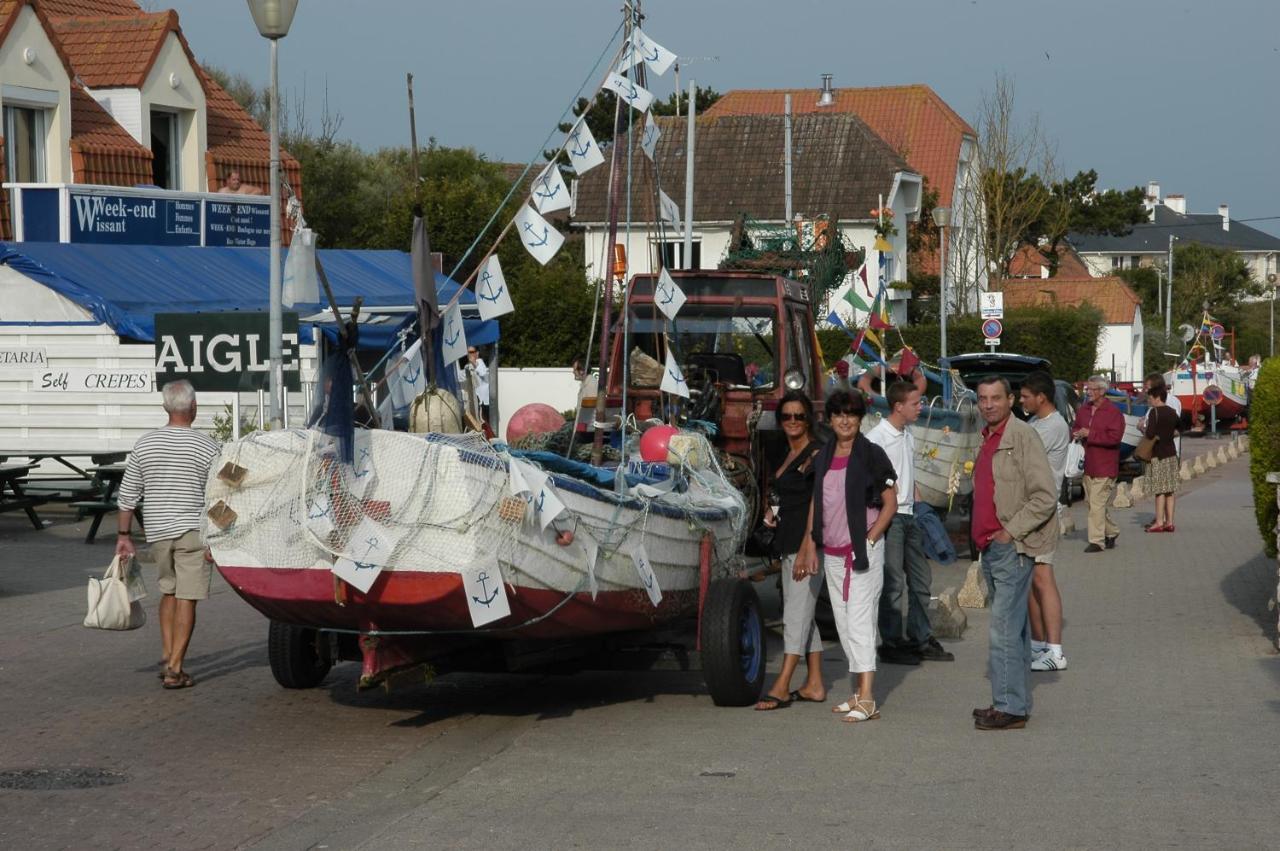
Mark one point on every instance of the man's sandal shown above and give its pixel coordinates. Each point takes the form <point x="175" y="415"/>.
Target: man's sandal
<point x="177" y="679"/>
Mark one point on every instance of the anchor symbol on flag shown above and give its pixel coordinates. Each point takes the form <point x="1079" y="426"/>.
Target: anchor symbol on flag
<point x="483" y="579"/>
<point x="486" y="281"/>
<point x="581" y="148"/>
<point x="545" y="236"/>
<point x="547" y="192"/>
<point x="452" y="341"/>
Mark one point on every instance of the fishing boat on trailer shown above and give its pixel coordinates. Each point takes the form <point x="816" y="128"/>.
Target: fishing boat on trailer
<point x="443" y="550"/>
<point x="1209" y="368"/>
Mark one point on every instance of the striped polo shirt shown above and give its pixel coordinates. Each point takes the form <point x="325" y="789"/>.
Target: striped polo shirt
<point x="169" y="467"/>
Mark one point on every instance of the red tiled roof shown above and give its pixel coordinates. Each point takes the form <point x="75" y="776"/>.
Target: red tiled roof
<point x="88" y="7"/>
<point x="912" y="119"/>
<point x="102" y="151"/>
<point x="1112" y="296"/>
<point x="1029" y="260"/>
<point x="236" y="142"/>
<point x="114" y="52"/>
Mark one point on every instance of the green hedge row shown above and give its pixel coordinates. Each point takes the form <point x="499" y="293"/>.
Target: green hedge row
<point x="1264" y="448"/>
<point x="1067" y="337"/>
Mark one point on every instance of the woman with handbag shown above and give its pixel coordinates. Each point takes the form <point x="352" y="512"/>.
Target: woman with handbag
<point x="853" y="481"/>
<point x="792" y="489"/>
<point x="1162" y="471"/>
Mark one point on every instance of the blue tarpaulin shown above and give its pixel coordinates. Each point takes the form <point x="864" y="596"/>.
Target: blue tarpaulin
<point x="125" y="286"/>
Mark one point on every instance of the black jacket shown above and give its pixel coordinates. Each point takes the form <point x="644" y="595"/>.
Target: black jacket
<point x="869" y="473"/>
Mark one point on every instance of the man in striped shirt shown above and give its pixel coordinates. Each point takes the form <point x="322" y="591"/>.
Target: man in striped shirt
<point x="169" y="467"/>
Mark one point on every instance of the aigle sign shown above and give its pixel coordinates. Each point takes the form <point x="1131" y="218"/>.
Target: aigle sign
<point x="223" y="351"/>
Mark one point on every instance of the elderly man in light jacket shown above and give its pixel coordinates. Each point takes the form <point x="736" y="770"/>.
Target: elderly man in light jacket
<point x="1014" y="520"/>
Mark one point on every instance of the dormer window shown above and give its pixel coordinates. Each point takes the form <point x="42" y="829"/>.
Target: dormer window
<point x="25" y="141"/>
<point x="166" y="149"/>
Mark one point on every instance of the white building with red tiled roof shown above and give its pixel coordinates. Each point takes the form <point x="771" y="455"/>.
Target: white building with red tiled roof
<point x="1120" y="343"/>
<point x="100" y="92"/>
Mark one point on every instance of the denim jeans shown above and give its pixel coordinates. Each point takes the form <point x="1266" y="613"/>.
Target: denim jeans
<point x="1009" y="577"/>
<point x="907" y="574"/>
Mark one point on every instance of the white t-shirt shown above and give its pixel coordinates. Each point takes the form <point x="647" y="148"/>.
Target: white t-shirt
<point x="1055" y="434"/>
<point x="900" y="446"/>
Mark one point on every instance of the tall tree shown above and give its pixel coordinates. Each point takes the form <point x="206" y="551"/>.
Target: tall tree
<point x="1075" y="206"/>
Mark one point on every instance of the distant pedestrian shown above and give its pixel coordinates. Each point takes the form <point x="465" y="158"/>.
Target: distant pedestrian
<point x="1100" y="425"/>
<point x="1162" y="472"/>
<point x="908" y="579"/>
<point x="169" y="467"/>
<point x="839" y="378"/>
<point x="792" y="484"/>
<point x="1013" y="522"/>
<point x="1045" y="603"/>
<point x="1154" y="379"/>
<point x="853" y="499"/>
<point x="473" y="375"/>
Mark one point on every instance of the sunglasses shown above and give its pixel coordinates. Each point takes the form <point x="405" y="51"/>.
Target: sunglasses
<point x="793" y="418"/>
<point x="471" y="351"/>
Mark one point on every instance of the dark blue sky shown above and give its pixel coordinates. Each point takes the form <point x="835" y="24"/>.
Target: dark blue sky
<point x="1177" y="91"/>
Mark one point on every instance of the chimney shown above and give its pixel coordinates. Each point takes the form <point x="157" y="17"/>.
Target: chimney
<point x="826" y="98"/>
<point x="1225" y="212"/>
<point x="1177" y="203"/>
<point x="1153" y="191"/>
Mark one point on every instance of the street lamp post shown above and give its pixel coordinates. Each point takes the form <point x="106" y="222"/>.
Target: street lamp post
<point x="942" y="218"/>
<point x="273" y="18"/>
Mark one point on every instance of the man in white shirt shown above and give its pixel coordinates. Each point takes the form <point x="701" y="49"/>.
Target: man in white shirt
<point x="906" y="569"/>
<point x="1044" y="605"/>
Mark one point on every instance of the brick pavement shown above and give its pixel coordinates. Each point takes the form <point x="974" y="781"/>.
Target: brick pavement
<point x="1162" y="732"/>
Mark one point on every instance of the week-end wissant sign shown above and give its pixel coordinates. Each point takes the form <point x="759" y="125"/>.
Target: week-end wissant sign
<point x="223" y="351"/>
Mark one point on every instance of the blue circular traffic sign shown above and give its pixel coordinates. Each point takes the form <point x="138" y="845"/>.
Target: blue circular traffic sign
<point x="991" y="328"/>
<point x="1218" y="332"/>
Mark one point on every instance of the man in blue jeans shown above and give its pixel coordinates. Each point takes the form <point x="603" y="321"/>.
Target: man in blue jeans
<point x="908" y="578"/>
<point x="1014" y="520"/>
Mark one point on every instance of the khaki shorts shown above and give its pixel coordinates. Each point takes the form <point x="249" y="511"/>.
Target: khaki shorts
<point x="1045" y="558"/>
<point x="184" y="573"/>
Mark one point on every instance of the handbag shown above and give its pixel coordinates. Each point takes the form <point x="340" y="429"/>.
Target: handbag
<point x="111" y="603"/>
<point x="1146" y="448"/>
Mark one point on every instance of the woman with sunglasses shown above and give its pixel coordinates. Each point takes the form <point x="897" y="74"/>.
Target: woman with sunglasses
<point x="793" y="487"/>
<point x="853" y="481"/>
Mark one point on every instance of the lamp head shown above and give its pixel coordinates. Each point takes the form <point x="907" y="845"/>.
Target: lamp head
<point x="273" y="17"/>
<point x="942" y="216"/>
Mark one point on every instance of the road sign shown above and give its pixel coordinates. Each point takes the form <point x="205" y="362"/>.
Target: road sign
<point x="1218" y="332"/>
<point x="1212" y="395"/>
<point x="992" y="305"/>
<point x="991" y="329"/>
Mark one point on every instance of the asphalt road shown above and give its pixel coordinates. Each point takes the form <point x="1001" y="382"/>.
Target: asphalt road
<point x="1163" y="732"/>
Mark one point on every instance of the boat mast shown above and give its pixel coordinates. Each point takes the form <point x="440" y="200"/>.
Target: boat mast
<point x="631" y="15"/>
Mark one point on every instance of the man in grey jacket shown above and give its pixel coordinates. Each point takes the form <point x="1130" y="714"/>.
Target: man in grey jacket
<point x="1014" y="520"/>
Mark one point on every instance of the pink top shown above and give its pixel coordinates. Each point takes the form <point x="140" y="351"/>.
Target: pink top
<point x="836" y="539"/>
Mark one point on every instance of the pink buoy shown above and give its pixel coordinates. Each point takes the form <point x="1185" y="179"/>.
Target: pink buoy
<point x="534" y="418"/>
<point x="653" y="443"/>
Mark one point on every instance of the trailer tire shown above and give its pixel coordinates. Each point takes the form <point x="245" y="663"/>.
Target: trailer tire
<point x="298" y="660"/>
<point x="733" y="651"/>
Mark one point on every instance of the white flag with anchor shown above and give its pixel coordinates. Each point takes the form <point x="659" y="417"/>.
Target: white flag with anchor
<point x="368" y="549"/>
<point x="486" y="593"/>
<point x="549" y="190"/>
<point x="641" y="48"/>
<point x="669" y="210"/>
<point x="633" y="95"/>
<point x="649" y="141"/>
<point x="406" y="379"/>
<point x="547" y="503"/>
<point x="492" y="296"/>
<point x="672" y="378"/>
<point x="668" y="295"/>
<point x="647" y="578"/>
<point x="454" y="336"/>
<point x="584" y="153"/>
<point x="538" y="236"/>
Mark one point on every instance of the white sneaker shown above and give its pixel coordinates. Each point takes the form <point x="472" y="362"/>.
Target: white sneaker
<point x="1049" y="662"/>
<point x="1036" y="654"/>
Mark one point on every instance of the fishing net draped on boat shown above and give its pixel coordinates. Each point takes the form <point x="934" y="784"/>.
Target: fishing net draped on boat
<point x="446" y="503"/>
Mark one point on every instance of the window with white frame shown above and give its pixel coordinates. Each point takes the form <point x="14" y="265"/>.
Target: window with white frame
<point x="25" y="141"/>
<point x="670" y="254"/>
<point x="1117" y="262"/>
<point x="166" y="150"/>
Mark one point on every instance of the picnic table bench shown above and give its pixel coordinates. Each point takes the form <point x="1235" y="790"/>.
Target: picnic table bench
<point x="105" y="502"/>
<point x="12" y="495"/>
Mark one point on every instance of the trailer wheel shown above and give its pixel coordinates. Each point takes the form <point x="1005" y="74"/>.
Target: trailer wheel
<point x="297" y="657"/>
<point x="733" y="643"/>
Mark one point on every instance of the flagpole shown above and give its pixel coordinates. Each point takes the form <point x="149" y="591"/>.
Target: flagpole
<point x="425" y="323"/>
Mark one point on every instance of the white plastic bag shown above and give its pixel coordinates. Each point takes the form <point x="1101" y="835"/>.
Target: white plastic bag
<point x="110" y="603"/>
<point x="1075" y="459"/>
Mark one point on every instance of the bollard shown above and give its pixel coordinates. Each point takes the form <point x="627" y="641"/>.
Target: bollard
<point x="1138" y="490"/>
<point x="1122" y="499"/>
<point x="975" y="594"/>
<point x="1198" y="467"/>
<point x="947" y="617"/>
<point x="1184" y="472"/>
<point x="1210" y="460"/>
<point x="1222" y="455"/>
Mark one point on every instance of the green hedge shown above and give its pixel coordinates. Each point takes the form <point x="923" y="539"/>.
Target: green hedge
<point x="1067" y="337"/>
<point x="1264" y="448"/>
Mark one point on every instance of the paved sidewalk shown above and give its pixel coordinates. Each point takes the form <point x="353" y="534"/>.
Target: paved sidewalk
<point x="1164" y="731"/>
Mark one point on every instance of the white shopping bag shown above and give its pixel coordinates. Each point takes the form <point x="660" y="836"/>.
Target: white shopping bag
<point x="110" y="603"/>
